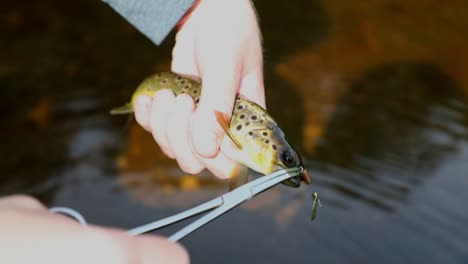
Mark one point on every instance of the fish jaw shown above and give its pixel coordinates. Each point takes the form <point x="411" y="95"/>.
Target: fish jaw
<point x="294" y="182"/>
<point x="305" y="176"/>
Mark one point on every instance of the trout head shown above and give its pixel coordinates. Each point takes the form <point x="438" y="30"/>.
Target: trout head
<point x="287" y="157"/>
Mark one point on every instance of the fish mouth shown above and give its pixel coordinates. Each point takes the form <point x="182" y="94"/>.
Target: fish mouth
<point x="305" y="177"/>
<point x="295" y="182"/>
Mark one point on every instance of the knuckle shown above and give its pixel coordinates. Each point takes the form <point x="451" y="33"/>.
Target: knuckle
<point x="142" y="120"/>
<point x="168" y="152"/>
<point x="190" y="168"/>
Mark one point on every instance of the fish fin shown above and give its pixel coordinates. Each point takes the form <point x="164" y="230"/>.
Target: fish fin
<point x="125" y="109"/>
<point x="224" y="120"/>
<point x="239" y="176"/>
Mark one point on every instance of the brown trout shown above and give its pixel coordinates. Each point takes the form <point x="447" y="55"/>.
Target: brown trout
<point x="250" y="128"/>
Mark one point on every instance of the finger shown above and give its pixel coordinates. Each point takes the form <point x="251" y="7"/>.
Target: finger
<point x="178" y="135"/>
<point x="163" y="102"/>
<point x="220" y="165"/>
<point x="51" y="239"/>
<point x="143" y="111"/>
<point x="159" y="250"/>
<point x="219" y="91"/>
<point x="252" y="85"/>
<point x="22" y="201"/>
<point x="231" y="150"/>
<point x="141" y="249"/>
<point x="183" y="61"/>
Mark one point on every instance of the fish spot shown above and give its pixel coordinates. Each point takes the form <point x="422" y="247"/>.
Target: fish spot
<point x="240" y="107"/>
<point x="164" y="81"/>
<point x="178" y="78"/>
<point x="274" y="147"/>
<point x="265" y="134"/>
<point x="198" y="100"/>
<point x="254" y="117"/>
<point x="250" y="133"/>
<point x="186" y="87"/>
<point x="242" y="116"/>
<point x="267" y="141"/>
<point x="239" y="127"/>
<point x="195" y="92"/>
<point x="182" y="82"/>
<point x="246" y="124"/>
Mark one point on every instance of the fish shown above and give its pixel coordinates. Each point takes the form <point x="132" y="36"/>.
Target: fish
<point x="250" y="127"/>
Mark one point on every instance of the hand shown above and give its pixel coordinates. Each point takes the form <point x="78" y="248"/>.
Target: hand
<point x="31" y="234"/>
<point x="219" y="42"/>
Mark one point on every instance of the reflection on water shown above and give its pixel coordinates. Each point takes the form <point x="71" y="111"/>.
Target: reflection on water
<point x="396" y="125"/>
<point x="373" y="95"/>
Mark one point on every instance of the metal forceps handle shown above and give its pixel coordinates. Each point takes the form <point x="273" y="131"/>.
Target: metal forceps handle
<point x="222" y="204"/>
<point x="175" y="218"/>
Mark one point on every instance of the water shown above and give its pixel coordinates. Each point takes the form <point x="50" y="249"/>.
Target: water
<point x="374" y="95"/>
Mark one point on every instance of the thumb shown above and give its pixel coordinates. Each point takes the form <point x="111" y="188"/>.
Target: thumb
<point x="218" y="94"/>
<point x="151" y="249"/>
<point x="54" y="239"/>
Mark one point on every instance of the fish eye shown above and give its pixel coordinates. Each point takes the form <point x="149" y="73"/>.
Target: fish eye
<point x="287" y="158"/>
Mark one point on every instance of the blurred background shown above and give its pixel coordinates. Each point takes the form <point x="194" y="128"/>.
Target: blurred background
<point x="372" y="93"/>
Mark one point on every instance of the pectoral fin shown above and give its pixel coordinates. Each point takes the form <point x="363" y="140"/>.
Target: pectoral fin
<point x="125" y="109"/>
<point x="224" y="120"/>
<point x="239" y="176"/>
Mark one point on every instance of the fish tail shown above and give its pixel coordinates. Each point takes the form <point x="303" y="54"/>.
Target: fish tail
<point x="125" y="109"/>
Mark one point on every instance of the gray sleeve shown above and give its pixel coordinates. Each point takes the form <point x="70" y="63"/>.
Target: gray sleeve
<point x="154" y="18"/>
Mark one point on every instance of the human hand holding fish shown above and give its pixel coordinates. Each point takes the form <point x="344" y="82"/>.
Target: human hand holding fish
<point x="219" y="42"/>
<point x="256" y="140"/>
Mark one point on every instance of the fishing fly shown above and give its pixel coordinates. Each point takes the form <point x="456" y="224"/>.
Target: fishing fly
<point x="315" y="205"/>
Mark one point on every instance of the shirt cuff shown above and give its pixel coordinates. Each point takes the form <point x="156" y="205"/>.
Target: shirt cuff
<point x="153" y="18"/>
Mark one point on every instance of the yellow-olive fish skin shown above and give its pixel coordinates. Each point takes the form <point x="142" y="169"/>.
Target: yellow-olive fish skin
<point x="249" y="126"/>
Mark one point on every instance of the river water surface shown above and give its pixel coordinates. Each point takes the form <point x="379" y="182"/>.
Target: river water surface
<point x="374" y="95"/>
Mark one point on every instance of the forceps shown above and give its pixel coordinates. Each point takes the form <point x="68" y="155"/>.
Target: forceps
<point x="220" y="205"/>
